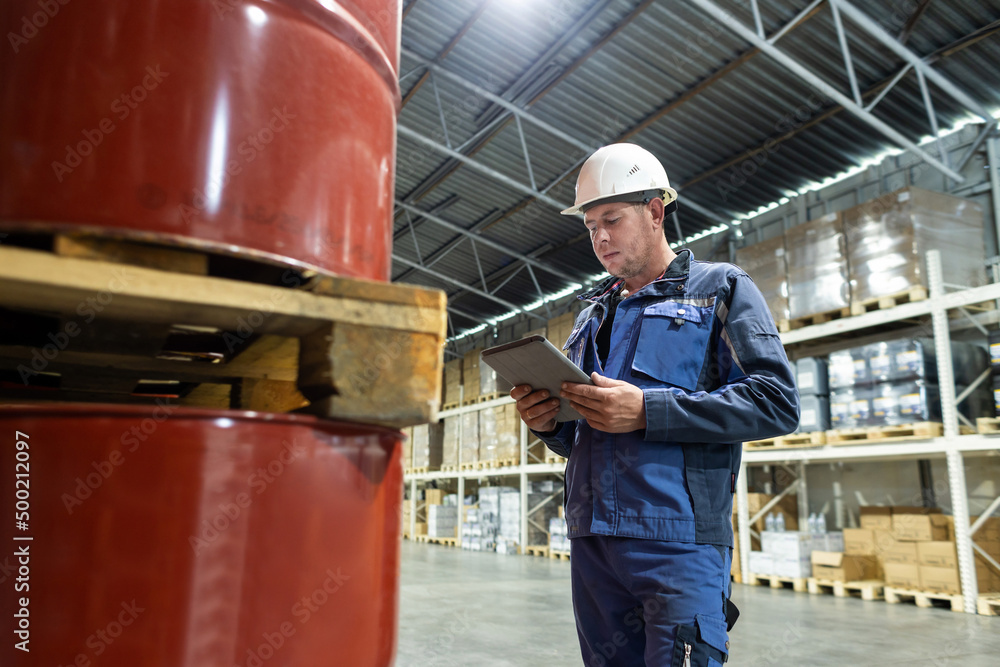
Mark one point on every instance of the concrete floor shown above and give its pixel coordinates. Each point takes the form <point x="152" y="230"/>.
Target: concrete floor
<point x="483" y="610"/>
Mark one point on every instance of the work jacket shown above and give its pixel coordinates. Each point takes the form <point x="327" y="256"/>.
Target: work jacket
<point x="703" y="348"/>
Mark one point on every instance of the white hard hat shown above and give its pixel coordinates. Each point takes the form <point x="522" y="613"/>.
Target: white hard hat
<point x="616" y="171"/>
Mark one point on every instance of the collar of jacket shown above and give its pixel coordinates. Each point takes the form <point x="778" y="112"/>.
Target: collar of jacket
<point x="679" y="268"/>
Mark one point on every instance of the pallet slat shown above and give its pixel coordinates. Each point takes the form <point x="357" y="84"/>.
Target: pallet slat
<point x="797" y="584"/>
<point x="866" y="590"/>
<point x="923" y="598"/>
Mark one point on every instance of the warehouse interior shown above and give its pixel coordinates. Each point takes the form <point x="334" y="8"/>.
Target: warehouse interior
<point x="251" y="252"/>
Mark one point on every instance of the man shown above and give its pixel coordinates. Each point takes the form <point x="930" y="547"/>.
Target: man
<point x="686" y="364"/>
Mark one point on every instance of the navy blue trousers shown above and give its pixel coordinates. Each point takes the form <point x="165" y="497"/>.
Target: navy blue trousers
<point x="646" y="602"/>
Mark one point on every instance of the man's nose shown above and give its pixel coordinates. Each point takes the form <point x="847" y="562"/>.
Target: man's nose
<point x="601" y="235"/>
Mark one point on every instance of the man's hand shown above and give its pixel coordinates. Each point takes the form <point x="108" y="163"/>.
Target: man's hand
<point x="535" y="410"/>
<point x="608" y="405"/>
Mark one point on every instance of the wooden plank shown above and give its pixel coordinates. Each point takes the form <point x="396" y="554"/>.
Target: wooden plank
<point x="121" y="251"/>
<point x="216" y="396"/>
<point x="370" y="374"/>
<point x="269" y="396"/>
<point x="29" y="278"/>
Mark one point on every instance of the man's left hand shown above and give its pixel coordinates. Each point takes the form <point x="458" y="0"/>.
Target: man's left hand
<point x="608" y="405"/>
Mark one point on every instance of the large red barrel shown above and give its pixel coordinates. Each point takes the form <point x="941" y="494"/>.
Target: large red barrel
<point x="196" y="538"/>
<point x="253" y="127"/>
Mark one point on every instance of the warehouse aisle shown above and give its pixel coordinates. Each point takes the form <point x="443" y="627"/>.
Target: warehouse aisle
<point x="465" y="608"/>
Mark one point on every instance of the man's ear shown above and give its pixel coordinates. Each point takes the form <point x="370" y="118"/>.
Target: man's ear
<point x="656" y="209"/>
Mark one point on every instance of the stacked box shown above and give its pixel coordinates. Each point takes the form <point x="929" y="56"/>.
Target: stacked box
<point x="489" y="440"/>
<point x="765" y="263"/>
<point x="817" y="267"/>
<point x="469" y="443"/>
<point x="407" y="511"/>
<point x="442" y="521"/>
<point x="812" y="381"/>
<point x="509" y="535"/>
<point x="470" y="373"/>
<point x="428" y="446"/>
<point x="903" y="226"/>
<point x="839" y="566"/>
<point x="558" y="534"/>
<point x="449" y="440"/>
<point x="994" y="342"/>
<point x="479" y="530"/>
<point x="407" y="448"/>
<point x="508" y="424"/>
<point x="538" y="492"/>
<point x="452" y="381"/>
<point x="790" y="552"/>
<point x="559" y="328"/>
<point x="490" y="382"/>
<point x="761" y="563"/>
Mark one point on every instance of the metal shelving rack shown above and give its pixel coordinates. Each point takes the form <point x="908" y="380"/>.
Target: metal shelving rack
<point x="952" y="446"/>
<point x="522" y="471"/>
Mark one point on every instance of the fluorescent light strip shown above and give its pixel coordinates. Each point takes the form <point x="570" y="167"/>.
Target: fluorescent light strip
<point x="811" y="187"/>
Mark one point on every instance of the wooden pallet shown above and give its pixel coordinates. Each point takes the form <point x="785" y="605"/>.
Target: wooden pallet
<point x="536" y="550"/>
<point x="915" y="293"/>
<point x="797" y="584"/>
<point x="496" y="463"/>
<point x="988" y="425"/>
<point x="126" y="322"/>
<point x="468" y="465"/>
<point x="451" y="406"/>
<point x="988" y="605"/>
<point x="449" y="468"/>
<point x="736" y="577"/>
<point x="794" y="441"/>
<point x="558" y="555"/>
<point x="923" y="598"/>
<point x="870" y="434"/>
<point x="866" y="590"/>
<point x="554" y="458"/>
<point x="784" y="326"/>
<point x="419" y="470"/>
<point x="482" y="398"/>
<point x="443" y="541"/>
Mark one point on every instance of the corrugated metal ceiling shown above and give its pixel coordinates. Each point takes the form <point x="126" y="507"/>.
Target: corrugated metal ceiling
<point x="661" y="74"/>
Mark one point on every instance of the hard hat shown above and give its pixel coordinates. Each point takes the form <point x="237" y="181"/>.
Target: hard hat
<point x="620" y="172"/>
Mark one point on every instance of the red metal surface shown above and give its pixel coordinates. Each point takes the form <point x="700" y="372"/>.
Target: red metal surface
<point x="264" y="128"/>
<point x="194" y="538"/>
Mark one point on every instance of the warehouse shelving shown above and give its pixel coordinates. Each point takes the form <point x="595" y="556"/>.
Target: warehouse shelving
<point x="951" y="446"/>
<point x="522" y="470"/>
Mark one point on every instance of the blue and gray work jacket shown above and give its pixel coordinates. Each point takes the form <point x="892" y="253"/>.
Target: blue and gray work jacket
<point x="702" y="346"/>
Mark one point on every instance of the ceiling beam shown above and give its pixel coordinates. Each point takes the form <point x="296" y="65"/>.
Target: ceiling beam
<point x="793" y="66"/>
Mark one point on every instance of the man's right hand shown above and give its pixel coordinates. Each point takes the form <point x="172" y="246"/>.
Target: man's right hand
<point x="536" y="408"/>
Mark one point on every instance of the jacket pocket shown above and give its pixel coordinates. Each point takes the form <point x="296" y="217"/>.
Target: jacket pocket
<point x="702" y="644"/>
<point x="672" y="343"/>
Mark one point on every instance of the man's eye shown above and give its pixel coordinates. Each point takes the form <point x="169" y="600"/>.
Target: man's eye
<point x="611" y="222"/>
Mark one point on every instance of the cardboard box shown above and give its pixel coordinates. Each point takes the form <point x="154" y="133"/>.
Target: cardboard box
<point x="989" y="531"/>
<point x="901" y="553"/>
<point x="902" y="575"/>
<point x="761" y="563"/>
<point x="937" y="554"/>
<point x="920" y="527"/>
<point x="434" y="496"/>
<point x="421" y="528"/>
<point x="837" y="566"/>
<point x="940" y="579"/>
<point x="787" y="545"/>
<point x="795" y="568"/>
<point x="876" y="517"/>
<point x="788" y="506"/>
<point x="859" y="542"/>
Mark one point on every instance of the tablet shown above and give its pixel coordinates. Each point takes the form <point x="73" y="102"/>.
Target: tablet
<point x="537" y="362"/>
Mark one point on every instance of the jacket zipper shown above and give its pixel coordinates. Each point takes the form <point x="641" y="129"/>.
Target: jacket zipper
<point x="687" y="655"/>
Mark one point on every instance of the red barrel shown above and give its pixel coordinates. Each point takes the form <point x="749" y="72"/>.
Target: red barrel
<point x="196" y="538"/>
<point x="265" y="128"/>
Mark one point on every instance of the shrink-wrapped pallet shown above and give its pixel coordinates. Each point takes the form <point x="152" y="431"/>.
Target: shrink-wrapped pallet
<point x="888" y="238"/>
<point x="765" y="263"/>
<point x="817" y="267"/>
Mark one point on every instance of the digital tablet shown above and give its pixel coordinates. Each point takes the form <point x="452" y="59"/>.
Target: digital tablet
<point x="536" y="361"/>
